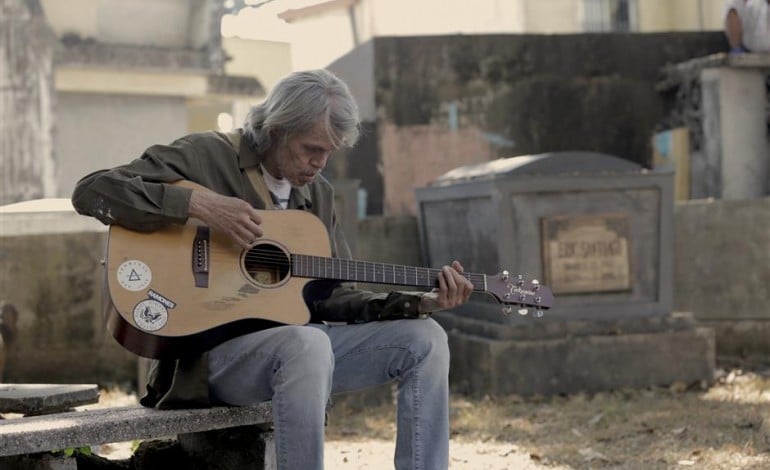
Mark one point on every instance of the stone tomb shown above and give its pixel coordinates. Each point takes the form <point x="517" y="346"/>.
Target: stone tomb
<point x="595" y="229"/>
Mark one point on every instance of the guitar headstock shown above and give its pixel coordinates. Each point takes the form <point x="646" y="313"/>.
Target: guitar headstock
<point x="517" y="291"/>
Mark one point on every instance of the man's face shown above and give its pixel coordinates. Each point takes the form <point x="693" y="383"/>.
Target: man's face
<point x="302" y="156"/>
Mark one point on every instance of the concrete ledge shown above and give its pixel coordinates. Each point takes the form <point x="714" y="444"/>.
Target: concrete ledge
<point x="580" y="364"/>
<point x="742" y="341"/>
<point x="42" y="399"/>
<point x="44" y="216"/>
<point x="94" y="427"/>
<point x="675" y="74"/>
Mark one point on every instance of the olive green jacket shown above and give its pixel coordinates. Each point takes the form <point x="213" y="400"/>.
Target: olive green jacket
<point x="139" y="196"/>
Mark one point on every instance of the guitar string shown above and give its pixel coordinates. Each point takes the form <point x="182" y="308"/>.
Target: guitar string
<point x="267" y="259"/>
<point x="281" y="260"/>
<point x="377" y="269"/>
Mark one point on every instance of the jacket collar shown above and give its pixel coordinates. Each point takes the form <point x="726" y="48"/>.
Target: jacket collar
<point x="248" y="157"/>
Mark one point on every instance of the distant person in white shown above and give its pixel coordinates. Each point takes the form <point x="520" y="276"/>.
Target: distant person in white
<point x="747" y="25"/>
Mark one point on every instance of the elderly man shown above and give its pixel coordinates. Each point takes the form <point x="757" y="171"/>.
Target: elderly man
<point x="355" y="339"/>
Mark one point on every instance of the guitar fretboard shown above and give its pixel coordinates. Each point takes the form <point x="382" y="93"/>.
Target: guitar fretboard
<point x="365" y="271"/>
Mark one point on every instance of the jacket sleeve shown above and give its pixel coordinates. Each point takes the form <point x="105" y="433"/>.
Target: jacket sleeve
<point x="344" y="302"/>
<point x="138" y="195"/>
<point x="348" y="304"/>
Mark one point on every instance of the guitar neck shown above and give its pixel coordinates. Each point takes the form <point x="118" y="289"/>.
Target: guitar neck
<point x="319" y="267"/>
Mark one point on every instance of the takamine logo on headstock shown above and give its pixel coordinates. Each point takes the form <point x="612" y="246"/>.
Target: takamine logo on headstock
<point x="516" y="291"/>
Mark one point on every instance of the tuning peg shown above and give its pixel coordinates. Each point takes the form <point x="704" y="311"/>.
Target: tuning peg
<point x="535" y="284"/>
<point x="523" y="311"/>
<point x="507" y="310"/>
<point x="539" y="313"/>
<point x="505" y="275"/>
<point x="519" y="280"/>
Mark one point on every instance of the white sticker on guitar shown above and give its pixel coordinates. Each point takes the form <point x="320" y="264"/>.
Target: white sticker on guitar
<point x="150" y="315"/>
<point x="134" y="275"/>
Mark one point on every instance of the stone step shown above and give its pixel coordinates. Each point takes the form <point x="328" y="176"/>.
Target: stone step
<point x="99" y="426"/>
<point x="38" y="399"/>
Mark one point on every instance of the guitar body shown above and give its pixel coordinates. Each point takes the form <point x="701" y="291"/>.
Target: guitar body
<point x="184" y="289"/>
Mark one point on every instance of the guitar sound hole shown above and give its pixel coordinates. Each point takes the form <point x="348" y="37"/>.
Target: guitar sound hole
<point x="267" y="264"/>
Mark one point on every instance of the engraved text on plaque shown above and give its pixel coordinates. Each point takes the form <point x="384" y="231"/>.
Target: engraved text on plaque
<point x="587" y="253"/>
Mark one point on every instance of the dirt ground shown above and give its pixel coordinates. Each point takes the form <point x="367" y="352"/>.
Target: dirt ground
<point x="722" y="425"/>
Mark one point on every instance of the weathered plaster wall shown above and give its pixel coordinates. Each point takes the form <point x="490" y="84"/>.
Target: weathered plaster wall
<point x="96" y="131"/>
<point x="722" y="273"/>
<point x="418" y="76"/>
<point x="417" y="154"/>
<point x="723" y="259"/>
<point x="27" y="164"/>
<point x="51" y="273"/>
<point x="506" y="95"/>
<point x="721" y="262"/>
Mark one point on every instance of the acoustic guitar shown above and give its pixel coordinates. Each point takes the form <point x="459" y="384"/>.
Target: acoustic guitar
<point x="184" y="289"/>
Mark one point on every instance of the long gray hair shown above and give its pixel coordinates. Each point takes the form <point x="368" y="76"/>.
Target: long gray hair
<point x="295" y="105"/>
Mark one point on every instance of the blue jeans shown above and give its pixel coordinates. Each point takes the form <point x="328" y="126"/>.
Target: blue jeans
<point x="299" y="367"/>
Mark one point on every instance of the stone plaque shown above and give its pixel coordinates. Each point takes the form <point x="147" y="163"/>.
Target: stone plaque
<point x="587" y="253"/>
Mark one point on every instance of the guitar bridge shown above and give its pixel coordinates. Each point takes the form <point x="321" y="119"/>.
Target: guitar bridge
<point x="200" y="256"/>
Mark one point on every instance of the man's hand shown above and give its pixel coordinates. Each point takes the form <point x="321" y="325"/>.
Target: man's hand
<point x="453" y="290"/>
<point x="231" y="216"/>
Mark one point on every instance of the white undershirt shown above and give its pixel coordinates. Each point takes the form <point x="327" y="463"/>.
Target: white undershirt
<point x="281" y="188"/>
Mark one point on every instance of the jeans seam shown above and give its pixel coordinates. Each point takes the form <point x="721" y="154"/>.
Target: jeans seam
<point x="279" y="406"/>
<point x="416" y="405"/>
<point x="416" y="408"/>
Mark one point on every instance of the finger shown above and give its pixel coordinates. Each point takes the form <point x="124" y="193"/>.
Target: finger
<point x="442" y="289"/>
<point x="242" y="243"/>
<point x="464" y="288"/>
<point x="457" y="266"/>
<point x="254" y="230"/>
<point x="467" y="291"/>
<point x="246" y="242"/>
<point x="449" y="274"/>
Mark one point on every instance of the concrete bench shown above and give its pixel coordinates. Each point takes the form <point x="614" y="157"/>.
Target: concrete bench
<point x="218" y="437"/>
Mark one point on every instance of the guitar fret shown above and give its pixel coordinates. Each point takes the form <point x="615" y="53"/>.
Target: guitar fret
<point x="367" y="271"/>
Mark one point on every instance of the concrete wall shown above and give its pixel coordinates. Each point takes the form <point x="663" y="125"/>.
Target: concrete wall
<point x="723" y="272"/>
<point x="90" y="84"/>
<point x="163" y="23"/>
<point x="723" y="259"/>
<point x="268" y="61"/>
<point x="97" y="131"/>
<point x="689" y="15"/>
<point x="27" y="163"/>
<point x="50" y="272"/>
<point x="446" y="101"/>
<point x="379" y="18"/>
